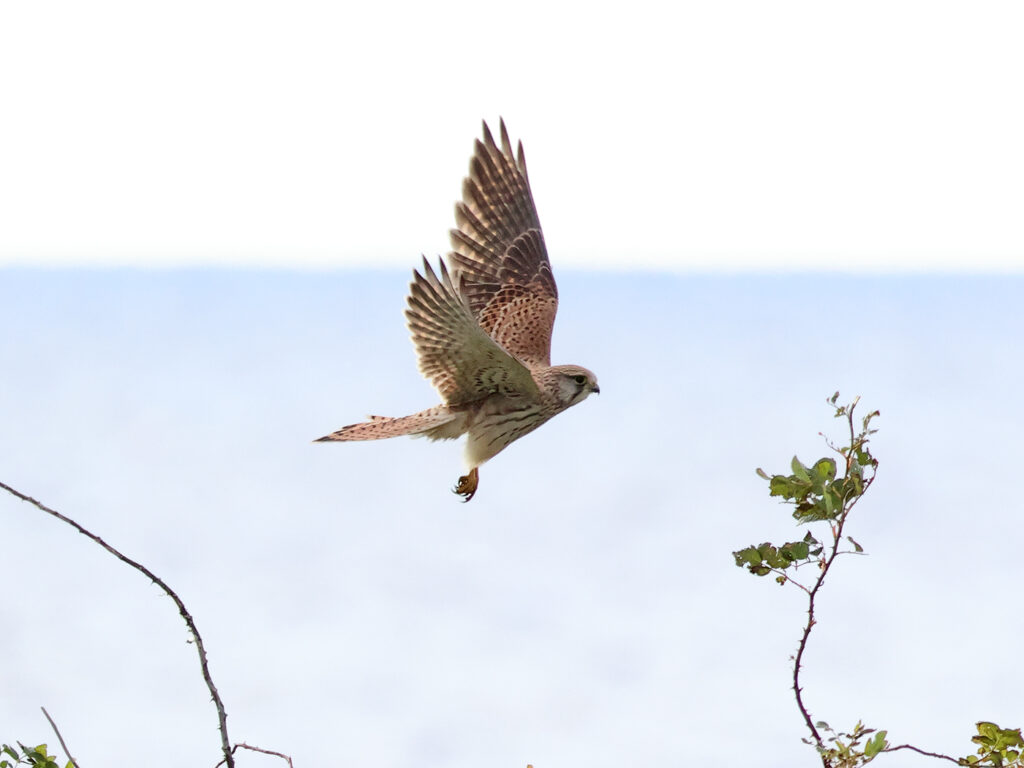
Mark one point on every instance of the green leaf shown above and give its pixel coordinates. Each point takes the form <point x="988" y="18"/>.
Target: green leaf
<point x="796" y="550"/>
<point x="770" y="554"/>
<point x="986" y="733"/>
<point x="824" y="471"/>
<point x="830" y="503"/>
<point x="752" y="558"/>
<point x="791" y="488"/>
<point x="748" y="556"/>
<point x="813" y="545"/>
<point x="856" y="546"/>
<point x="875" y="744"/>
<point x="1011" y="737"/>
<point x="800" y="471"/>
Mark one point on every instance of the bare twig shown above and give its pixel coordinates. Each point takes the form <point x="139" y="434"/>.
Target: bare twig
<point x="60" y="738"/>
<point x="221" y="714"/>
<point x="243" y="745"/>
<point x="780" y="574"/>
<point x="925" y="753"/>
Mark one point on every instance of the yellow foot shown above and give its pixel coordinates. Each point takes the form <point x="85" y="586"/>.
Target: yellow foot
<point x="468" y="484"/>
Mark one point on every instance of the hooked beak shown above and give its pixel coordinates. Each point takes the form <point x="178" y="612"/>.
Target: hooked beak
<point x="596" y="389"/>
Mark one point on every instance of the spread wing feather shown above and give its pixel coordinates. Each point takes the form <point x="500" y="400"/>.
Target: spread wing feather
<point x="456" y="355"/>
<point x="499" y="260"/>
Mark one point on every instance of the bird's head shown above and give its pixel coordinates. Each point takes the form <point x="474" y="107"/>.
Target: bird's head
<point x="574" y="383"/>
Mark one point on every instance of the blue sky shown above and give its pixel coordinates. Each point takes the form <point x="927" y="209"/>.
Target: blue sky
<point x="584" y="608"/>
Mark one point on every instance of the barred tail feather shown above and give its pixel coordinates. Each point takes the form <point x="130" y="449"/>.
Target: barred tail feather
<point x="435" y="423"/>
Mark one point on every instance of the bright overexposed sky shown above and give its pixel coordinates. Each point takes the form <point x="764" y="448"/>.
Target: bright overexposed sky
<point x="737" y="134"/>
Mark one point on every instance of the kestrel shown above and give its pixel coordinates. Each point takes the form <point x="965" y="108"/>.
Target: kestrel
<point x="482" y="324"/>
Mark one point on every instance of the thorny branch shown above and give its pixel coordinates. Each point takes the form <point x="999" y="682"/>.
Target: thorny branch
<point x="221" y="714"/>
<point x="812" y="593"/>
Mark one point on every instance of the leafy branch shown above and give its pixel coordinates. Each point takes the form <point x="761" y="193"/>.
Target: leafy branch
<point x="35" y="757"/>
<point x="819" y="494"/>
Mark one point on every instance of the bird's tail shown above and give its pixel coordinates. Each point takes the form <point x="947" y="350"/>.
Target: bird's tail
<point x="436" y="423"/>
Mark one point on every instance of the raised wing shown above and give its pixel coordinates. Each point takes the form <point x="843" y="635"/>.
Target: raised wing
<point x="456" y="355"/>
<point x="499" y="261"/>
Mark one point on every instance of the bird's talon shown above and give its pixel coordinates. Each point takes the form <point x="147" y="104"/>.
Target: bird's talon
<point x="467" y="485"/>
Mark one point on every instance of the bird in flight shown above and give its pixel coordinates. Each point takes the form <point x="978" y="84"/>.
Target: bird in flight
<point x="482" y="323"/>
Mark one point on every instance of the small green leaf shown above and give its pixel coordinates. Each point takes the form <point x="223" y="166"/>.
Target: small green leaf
<point x="797" y="550"/>
<point x="825" y="470"/>
<point x="748" y="556"/>
<point x="830" y="503"/>
<point x="799" y="470"/>
<point x="875" y="744"/>
<point x="754" y="559"/>
<point x="791" y="487"/>
<point x="986" y="731"/>
<point x="771" y="556"/>
<point x="856" y="546"/>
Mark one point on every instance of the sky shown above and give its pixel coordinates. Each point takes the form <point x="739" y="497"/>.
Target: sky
<point x="584" y="609"/>
<point x="731" y="135"/>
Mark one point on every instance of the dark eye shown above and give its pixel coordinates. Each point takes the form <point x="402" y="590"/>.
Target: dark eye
<point x="581" y="380"/>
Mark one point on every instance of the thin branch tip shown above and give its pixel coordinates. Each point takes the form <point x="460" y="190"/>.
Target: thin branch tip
<point x="60" y="738"/>
<point x="182" y="610"/>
